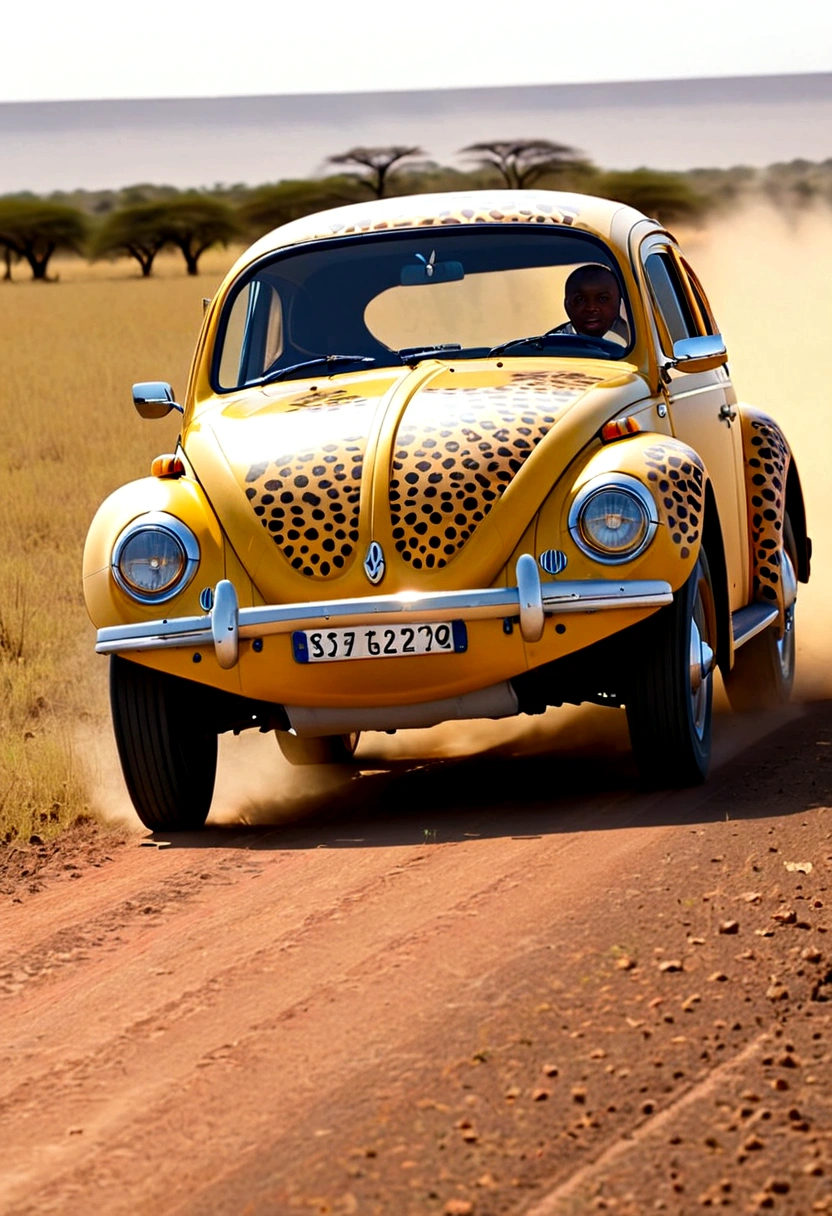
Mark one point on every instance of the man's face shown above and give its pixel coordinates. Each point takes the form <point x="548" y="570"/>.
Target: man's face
<point x="592" y="304"/>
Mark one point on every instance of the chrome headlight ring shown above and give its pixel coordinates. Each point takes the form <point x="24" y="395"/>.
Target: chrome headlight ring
<point x="630" y="488"/>
<point x="175" y="540"/>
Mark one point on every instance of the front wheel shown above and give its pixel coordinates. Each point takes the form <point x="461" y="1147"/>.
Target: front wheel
<point x="670" y="695"/>
<point x="763" y="673"/>
<point x="321" y="749"/>
<point x="168" y="752"/>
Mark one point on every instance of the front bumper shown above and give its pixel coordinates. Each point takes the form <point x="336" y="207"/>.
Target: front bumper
<point x="530" y="602"/>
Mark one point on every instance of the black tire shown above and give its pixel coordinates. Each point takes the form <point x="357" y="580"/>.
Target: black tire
<point x="763" y="673"/>
<point x="670" y="697"/>
<point x="323" y="749"/>
<point x="168" y="754"/>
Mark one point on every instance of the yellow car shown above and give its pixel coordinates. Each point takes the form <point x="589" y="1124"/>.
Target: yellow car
<point x="445" y="457"/>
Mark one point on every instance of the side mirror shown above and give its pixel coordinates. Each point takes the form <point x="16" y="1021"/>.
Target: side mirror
<point x="154" y="399"/>
<point x="700" y="354"/>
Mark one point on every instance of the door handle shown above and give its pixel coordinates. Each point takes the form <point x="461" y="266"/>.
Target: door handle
<point x="727" y="413"/>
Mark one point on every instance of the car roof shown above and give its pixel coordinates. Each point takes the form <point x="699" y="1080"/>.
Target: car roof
<point x="601" y="217"/>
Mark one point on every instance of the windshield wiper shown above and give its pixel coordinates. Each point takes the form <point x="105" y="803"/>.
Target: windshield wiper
<point x="577" y="342"/>
<point x="326" y="360"/>
<point x="412" y="354"/>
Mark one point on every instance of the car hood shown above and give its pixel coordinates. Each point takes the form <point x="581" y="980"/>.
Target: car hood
<point x="442" y="467"/>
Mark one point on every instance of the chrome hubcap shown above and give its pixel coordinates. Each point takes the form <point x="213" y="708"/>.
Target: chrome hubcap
<point x="785" y="644"/>
<point x="701" y="662"/>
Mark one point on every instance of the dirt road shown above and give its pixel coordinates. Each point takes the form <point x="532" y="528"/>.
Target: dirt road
<point x="490" y="984"/>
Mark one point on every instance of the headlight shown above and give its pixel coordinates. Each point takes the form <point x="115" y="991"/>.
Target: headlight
<point x="155" y="558"/>
<point x="613" y="518"/>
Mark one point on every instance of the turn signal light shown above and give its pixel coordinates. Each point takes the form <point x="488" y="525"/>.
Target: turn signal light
<point x="167" y="466"/>
<point x="619" y="428"/>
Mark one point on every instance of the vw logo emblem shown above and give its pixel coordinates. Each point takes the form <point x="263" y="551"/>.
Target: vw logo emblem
<point x="374" y="562"/>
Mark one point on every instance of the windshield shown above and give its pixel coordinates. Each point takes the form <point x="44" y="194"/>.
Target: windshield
<point x="394" y="298"/>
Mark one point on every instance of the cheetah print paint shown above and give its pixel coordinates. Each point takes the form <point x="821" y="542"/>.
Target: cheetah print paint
<point x="458" y="449"/>
<point x="676" y="476"/>
<point x="308" y="499"/>
<point x="766" y="460"/>
<point x="535" y="213"/>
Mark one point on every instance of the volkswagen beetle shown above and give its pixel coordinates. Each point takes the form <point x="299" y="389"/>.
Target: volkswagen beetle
<point x="447" y="457"/>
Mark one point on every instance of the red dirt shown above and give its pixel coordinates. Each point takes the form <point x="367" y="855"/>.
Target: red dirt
<point x="484" y="985"/>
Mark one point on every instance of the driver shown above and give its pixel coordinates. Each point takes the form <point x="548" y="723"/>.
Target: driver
<point x="593" y="303"/>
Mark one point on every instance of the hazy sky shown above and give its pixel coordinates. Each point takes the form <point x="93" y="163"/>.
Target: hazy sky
<point x="169" y="48"/>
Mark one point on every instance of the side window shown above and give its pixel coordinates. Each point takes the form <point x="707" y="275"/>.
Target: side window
<point x="670" y="297"/>
<point x="709" y="325"/>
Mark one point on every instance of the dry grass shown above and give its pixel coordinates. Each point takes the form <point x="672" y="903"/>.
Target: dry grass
<point x="68" y="436"/>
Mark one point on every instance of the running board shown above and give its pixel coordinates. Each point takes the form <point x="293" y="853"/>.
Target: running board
<point x="747" y="622"/>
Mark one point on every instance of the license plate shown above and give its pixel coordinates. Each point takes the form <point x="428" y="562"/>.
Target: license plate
<point x="379" y="642"/>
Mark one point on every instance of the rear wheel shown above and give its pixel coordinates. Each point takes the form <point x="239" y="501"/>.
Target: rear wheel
<point x="670" y="697"/>
<point x="168" y="752"/>
<point x="323" y="749"/>
<point x="763" y="673"/>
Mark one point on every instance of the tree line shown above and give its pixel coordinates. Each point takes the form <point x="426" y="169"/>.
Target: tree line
<point x="145" y="220"/>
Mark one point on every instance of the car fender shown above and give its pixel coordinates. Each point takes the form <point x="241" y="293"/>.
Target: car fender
<point x="676" y="478"/>
<point x="772" y="486"/>
<point x="181" y="497"/>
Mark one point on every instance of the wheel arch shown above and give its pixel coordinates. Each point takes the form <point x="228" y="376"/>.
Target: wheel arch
<point x="796" y="510"/>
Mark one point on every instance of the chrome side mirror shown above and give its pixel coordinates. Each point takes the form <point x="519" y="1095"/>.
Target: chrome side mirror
<point x="700" y="354"/>
<point x="154" y="399"/>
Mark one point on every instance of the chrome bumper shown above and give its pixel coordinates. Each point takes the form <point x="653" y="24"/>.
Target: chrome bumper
<point x="530" y="602"/>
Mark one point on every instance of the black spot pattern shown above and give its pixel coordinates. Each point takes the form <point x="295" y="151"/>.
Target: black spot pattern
<point x="309" y="499"/>
<point x="767" y="458"/>
<point x="676" y="476"/>
<point x="457" y="450"/>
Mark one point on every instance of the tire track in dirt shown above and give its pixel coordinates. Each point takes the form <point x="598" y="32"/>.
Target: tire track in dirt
<point x="145" y="1072"/>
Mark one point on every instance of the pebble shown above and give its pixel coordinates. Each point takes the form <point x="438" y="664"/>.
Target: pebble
<point x="717" y="977"/>
<point x="729" y="926"/>
<point x="671" y="964"/>
<point x="458" y="1207"/>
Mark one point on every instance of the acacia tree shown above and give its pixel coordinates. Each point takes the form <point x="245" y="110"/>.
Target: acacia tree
<point x="195" y="222"/>
<point x="137" y="231"/>
<point x="522" y="162"/>
<point x="270" y="206"/>
<point x="34" y="229"/>
<point x="667" y="196"/>
<point x="379" y="162"/>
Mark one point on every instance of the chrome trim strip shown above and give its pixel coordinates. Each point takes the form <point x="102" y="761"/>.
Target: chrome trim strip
<point x="597" y="485"/>
<point x="747" y="622"/>
<point x="590" y="595"/>
<point x="157" y="521"/>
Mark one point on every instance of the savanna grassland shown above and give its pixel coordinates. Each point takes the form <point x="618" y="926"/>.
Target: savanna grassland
<point x="68" y="436"/>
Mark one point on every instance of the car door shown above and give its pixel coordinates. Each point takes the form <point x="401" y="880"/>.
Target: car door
<point x="702" y="405"/>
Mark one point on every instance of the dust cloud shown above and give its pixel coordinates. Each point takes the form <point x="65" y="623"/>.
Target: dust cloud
<point x="768" y="279"/>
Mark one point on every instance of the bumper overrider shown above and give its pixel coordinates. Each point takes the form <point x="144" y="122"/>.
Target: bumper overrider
<point x="530" y="602"/>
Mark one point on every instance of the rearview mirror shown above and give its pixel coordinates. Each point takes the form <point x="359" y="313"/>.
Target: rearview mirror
<point x="154" y="399"/>
<point x="428" y="270"/>
<point x="700" y="354"/>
